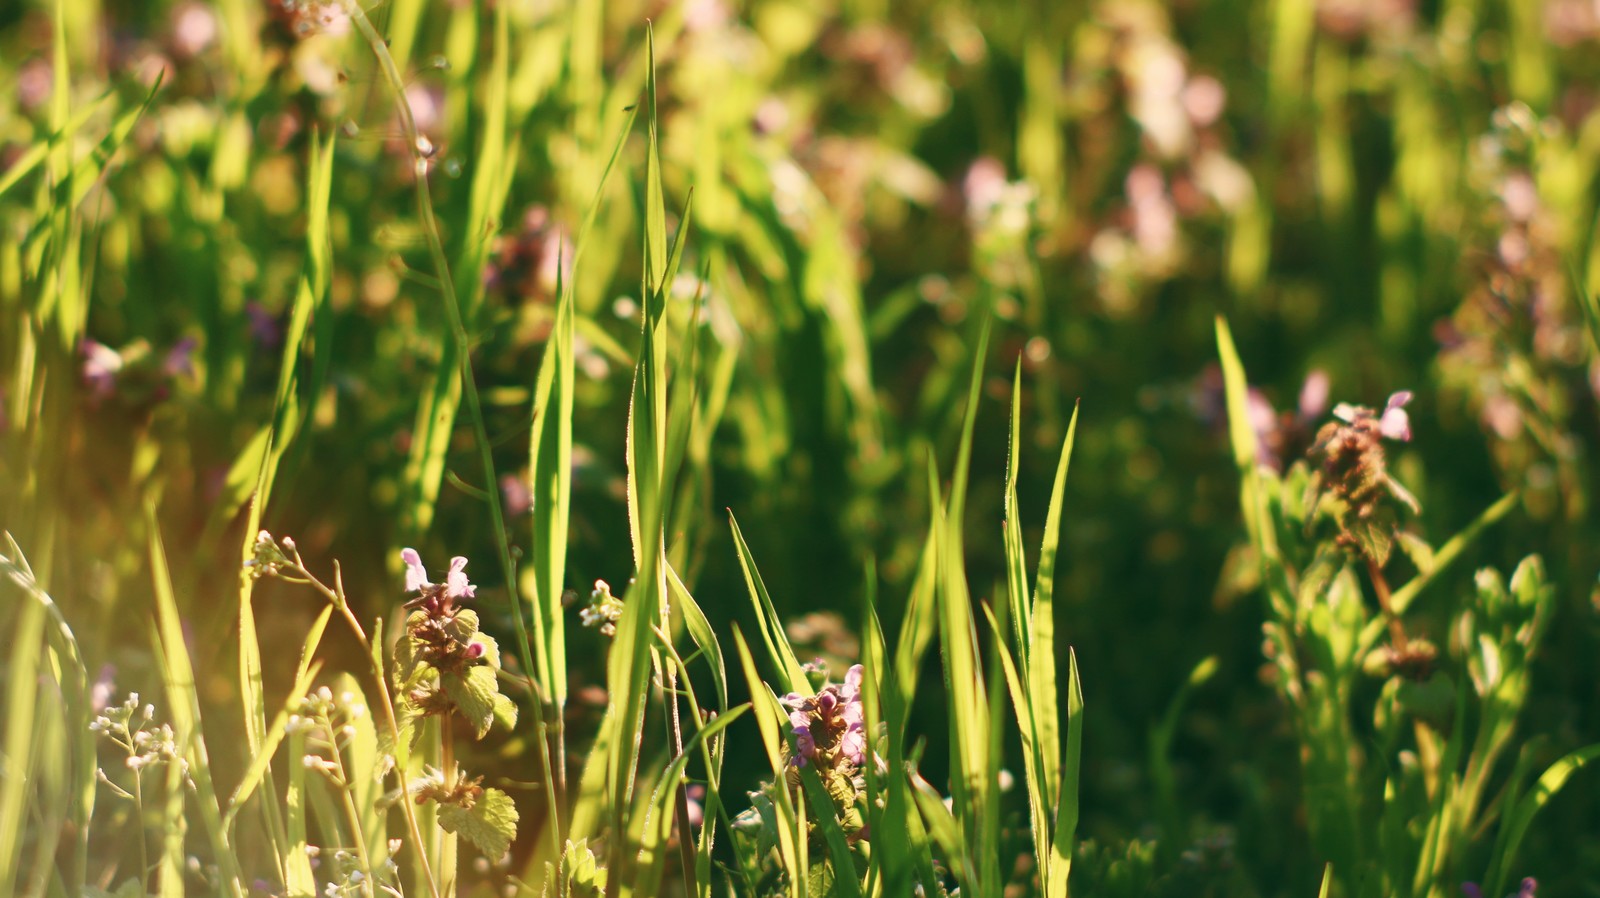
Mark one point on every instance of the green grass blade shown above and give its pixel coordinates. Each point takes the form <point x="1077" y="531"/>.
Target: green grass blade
<point x="700" y="630"/>
<point x="1451" y="550"/>
<point x="659" y="830"/>
<point x="298" y="879"/>
<point x="1016" y="556"/>
<point x="73" y="677"/>
<point x="178" y="674"/>
<point x="1243" y="439"/>
<point x="845" y="883"/>
<point x="40" y="151"/>
<point x="770" y="721"/>
<point x="972" y="781"/>
<point x="791" y="676"/>
<point x="1066" y="827"/>
<point x="261" y="756"/>
<point x="1042" y="637"/>
<point x="1517" y="821"/>
<point x="22" y="693"/>
<point x="550" y="482"/>
<point x="1039" y="800"/>
<point x="919" y="622"/>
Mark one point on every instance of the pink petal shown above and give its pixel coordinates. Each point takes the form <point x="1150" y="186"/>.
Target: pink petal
<point x="854" y="745"/>
<point x="1398" y="399"/>
<point x="1314" y="395"/>
<point x="456" y="585"/>
<point x="1395" y="423"/>
<point x="416" y="575"/>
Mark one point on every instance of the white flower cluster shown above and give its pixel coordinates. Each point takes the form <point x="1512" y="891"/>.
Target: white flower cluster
<point x="129" y="726"/>
<point x="603" y="610"/>
<point x="347" y="877"/>
<point x="327" y="720"/>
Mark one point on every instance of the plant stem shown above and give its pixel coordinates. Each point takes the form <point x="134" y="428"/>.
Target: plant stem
<point x="1380" y="586"/>
<point x="336" y="596"/>
<point x="447" y="761"/>
<point x="138" y="814"/>
<point x="463" y="348"/>
<point x="350" y="805"/>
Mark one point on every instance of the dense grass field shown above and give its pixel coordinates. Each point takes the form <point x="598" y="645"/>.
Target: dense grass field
<point x="706" y="448"/>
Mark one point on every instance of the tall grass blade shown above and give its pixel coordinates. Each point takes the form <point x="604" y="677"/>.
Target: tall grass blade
<point x="791" y="676"/>
<point x="72" y="678"/>
<point x="1520" y="818"/>
<point x="972" y="779"/>
<point x="178" y="674"/>
<point x="22" y="693"/>
<point x="770" y="721"/>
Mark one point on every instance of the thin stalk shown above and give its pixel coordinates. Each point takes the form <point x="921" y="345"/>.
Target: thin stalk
<point x="1427" y="745"/>
<point x="336" y="596"/>
<point x="685" y="831"/>
<point x="1380" y="586"/>
<point x="349" y="804"/>
<point x="447" y="759"/>
<point x="463" y="346"/>
<point x="138" y="813"/>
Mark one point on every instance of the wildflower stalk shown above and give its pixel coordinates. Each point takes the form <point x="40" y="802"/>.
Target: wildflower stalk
<point x="681" y="811"/>
<point x="353" y="816"/>
<point x="336" y="595"/>
<point x="452" y="305"/>
<point x="1380" y="587"/>
<point x="138" y="816"/>
<point x="447" y="762"/>
<point x="1427" y="745"/>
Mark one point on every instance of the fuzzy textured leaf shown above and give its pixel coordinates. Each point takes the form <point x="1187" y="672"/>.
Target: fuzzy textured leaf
<point x="490" y="824"/>
<point x="474" y="694"/>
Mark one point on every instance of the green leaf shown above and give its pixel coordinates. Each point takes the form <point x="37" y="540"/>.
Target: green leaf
<point x="463" y="626"/>
<point x="1376" y="537"/>
<point x="490" y="824"/>
<point x="474" y="694"/>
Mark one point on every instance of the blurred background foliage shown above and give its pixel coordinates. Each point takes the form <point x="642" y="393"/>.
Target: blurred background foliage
<point x="1378" y="194"/>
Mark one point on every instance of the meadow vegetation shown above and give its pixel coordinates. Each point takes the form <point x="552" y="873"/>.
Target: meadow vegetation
<point x="776" y="448"/>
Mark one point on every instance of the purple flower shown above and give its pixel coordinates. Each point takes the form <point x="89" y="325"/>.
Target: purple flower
<point x="264" y="327"/>
<point x="1393" y="423"/>
<point x="101" y="364"/>
<point x="829" y="727"/>
<point x="1314" y="395"/>
<point x="436" y="596"/>
<point x="515" y="493"/>
<point x="180" y="359"/>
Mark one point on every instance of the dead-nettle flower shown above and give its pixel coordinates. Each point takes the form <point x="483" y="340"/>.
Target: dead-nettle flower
<point x="1351" y="450"/>
<point x="442" y="637"/>
<point x="829" y="728"/>
<point x="438" y="599"/>
<point x="1280" y="435"/>
<point x="1354" y="470"/>
<point x="1393" y="423"/>
<point x="101" y="365"/>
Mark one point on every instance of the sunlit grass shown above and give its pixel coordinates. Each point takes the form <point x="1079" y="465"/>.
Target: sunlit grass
<point x="784" y="326"/>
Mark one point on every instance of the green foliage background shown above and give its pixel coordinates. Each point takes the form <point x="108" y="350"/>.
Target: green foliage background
<point x="1347" y="210"/>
